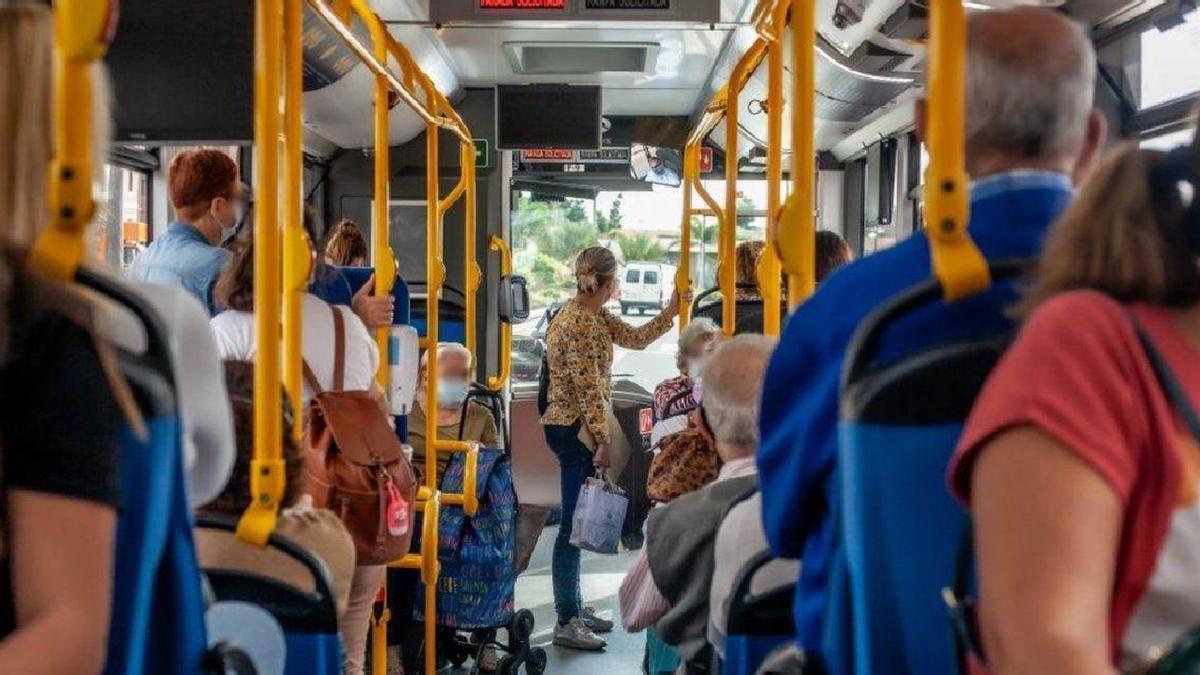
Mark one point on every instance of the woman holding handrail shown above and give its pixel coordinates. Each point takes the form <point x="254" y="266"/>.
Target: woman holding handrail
<point x="580" y="351"/>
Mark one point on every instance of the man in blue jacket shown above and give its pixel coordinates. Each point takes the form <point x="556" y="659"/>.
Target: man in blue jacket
<point x="1031" y="133"/>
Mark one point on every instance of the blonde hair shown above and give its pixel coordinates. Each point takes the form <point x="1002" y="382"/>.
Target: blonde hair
<point x="595" y="267"/>
<point x="449" y="348"/>
<point x="1124" y="236"/>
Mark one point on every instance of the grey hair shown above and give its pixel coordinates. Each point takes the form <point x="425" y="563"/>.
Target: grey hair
<point x="1031" y="77"/>
<point x="733" y="377"/>
<point x="450" y="348"/>
<point x="700" y="329"/>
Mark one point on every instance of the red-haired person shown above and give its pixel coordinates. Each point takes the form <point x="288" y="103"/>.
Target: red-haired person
<point x="207" y="195"/>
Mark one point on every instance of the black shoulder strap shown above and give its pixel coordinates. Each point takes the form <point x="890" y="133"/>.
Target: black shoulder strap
<point x="1167" y="380"/>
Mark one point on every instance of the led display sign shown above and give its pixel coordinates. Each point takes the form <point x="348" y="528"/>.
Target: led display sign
<point x="522" y="4"/>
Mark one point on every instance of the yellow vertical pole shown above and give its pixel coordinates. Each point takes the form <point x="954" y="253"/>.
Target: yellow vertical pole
<point x="385" y="262"/>
<point x="296" y="266"/>
<point x="797" y="244"/>
<point x="770" y="267"/>
<point x="435" y="274"/>
<point x="956" y="260"/>
<point x="267" y="467"/>
<point x="471" y="269"/>
<point x="498" y="382"/>
<point x="683" y="276"/>
<point x="727" y="233"/>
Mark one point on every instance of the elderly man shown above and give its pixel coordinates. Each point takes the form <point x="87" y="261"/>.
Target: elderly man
<point x="1032" y="132"/>
<point x="669" y="583"/>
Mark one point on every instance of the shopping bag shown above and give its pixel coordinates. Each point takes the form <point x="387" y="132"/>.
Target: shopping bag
<point x="599" y="516"/>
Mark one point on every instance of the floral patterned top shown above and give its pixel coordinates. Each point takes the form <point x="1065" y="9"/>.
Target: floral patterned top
<point x="580" y="352"/>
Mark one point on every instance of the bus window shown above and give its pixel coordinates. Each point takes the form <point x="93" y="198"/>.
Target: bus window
<point x="1170" y="66"/>
<point x="121" y="231"/>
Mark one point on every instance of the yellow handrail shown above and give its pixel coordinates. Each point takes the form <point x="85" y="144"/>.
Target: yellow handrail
<point x="435" y="274"/>
<point x="267" y="467"/>
<point x="683" y="276"/>
<point x="297" y="254"/>
<point x="728" y="233"/>
<point x="474" y="276"/>
<point x="769" y="265"/>
<point x="500" y="380"/>
<point x="956" y="260"/>
<point x="468" y="499"/>
<point x="797" y="228"/>
<point x="82" y="30"/>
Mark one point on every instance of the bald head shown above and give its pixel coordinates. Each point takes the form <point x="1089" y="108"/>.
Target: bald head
<point x="733" y="378"/>
<point x="1030" y="87"/>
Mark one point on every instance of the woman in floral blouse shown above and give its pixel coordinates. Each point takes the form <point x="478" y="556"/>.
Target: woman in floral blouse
<point x="580" y="351"/>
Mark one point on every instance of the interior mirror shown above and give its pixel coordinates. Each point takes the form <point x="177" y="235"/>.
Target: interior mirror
<point x="652" y="164"/>
<point x="514" y="299"/>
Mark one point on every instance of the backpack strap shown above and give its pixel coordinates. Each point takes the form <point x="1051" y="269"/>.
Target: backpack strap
<point x="1167" y="380"/>
<point x="310" y="378"/>
<point x="339" y="350"/>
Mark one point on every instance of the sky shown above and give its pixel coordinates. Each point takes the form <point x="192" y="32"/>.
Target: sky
<point x="662" y="209"/>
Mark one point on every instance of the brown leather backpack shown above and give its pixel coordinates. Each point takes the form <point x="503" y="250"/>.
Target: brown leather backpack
<point x="356" y="466"/>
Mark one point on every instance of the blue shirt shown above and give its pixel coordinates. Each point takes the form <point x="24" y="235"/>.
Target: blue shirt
<point x="1010" y="214"/>
<point x="184" y="257"/>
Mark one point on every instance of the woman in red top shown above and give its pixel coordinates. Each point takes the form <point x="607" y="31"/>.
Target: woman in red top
<point x="1081" y="478"/>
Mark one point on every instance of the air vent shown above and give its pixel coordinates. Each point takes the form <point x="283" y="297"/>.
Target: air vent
<point x="580" y="58"/>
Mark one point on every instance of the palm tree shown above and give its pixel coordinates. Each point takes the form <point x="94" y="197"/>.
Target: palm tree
<point x="704" y="233"/>
<point x="641" y="247"/>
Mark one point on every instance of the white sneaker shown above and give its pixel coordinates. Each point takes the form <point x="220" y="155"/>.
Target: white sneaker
<point x="593" y="621"/>
<point x="575" y="634"/>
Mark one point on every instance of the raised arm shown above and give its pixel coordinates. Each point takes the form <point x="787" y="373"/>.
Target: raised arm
<point x="640" y="337"/>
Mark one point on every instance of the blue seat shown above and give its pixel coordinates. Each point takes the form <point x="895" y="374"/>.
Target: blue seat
<point x="357" y="276"/>
<point x="157" y="621"/>
<point x="757" y="623"/>
<point x="308" y="620"/>
<point x="898" y="526"/>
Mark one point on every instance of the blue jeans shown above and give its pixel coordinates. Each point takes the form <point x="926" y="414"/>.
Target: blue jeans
<point x="575" y="466"/>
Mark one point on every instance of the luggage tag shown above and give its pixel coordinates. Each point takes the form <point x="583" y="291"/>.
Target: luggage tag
<point x="397" y="511"/>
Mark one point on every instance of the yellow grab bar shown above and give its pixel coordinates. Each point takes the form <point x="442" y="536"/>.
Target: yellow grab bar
<point x="469" y="497"/>
<point x="683" y="277"/>
<point x="797" y="228"/>
<point x="769" y="270"/>
<point x="956" y="261"/>
<point x="297" y="254"/>
<point x="500" y="380"/>
<point x="470" y="261"/>
<point x="267" y="467"/>
<point x="82" y="31"/>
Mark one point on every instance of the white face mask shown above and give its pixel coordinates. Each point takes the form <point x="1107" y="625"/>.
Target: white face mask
<point x="451" y="393"/>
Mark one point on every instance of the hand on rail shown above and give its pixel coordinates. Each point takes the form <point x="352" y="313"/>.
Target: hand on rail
<point x="600" y="458"/>
<point x="672" y="307"/>
<point x="375" y="311"/>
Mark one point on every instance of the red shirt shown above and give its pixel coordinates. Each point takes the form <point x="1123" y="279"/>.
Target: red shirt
<point x="1079" y="373"/>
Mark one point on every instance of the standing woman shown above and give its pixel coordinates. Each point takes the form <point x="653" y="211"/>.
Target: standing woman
<point x="580" y="351"/>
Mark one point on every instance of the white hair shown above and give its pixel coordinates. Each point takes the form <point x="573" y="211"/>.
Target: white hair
<point x="700" y="329"/>
<point x="733" y="378"/>
<point x="1030" y="83"/>
<point x="449" y="348"/>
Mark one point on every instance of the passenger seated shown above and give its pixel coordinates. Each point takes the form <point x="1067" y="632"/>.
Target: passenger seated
<point x="346" y="245"/>
<point x="739" y="540"/>
<point x="673" y="397"/>
<point x="669" y="584"/>
<point x="1079" y="467"/>
<point x="457" y="418"/>
<point x="61" y="398"/>
<point x="832" y="253"/>
<point x="1025" y="146"/>
<point x="746" y="257"/>
<point x="317" y="530"/>
<point x="235" y="333"/>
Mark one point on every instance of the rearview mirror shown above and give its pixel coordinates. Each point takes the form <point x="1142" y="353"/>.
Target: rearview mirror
<point x="652" y="164"/>
<point x="513" y="299"/>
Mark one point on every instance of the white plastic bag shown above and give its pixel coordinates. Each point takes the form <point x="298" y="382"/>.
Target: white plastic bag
<point x="599" y="516"/>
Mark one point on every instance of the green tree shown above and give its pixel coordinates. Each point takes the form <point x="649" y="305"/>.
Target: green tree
<point x="575" y="212"/>
<point x="641" y="246"/>
<point x="705" y="233"/>
<point x="613" y="220"/>
<point x="745" y="205"/>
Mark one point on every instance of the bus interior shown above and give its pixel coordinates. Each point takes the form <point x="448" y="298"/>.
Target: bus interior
<point x="516" y="133"/>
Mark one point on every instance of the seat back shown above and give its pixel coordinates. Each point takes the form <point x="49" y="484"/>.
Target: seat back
<point x="748" y="315"/>
<point x="758" y="623"/>
<point x="402" y="312"/>
<point x="308" y="620"/>
<point x="899" y="528"/>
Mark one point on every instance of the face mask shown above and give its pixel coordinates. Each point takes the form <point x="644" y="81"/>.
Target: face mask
<point x="451" y="393"/>
<point x="228" y="231"/>
<point x="698" y="390"/>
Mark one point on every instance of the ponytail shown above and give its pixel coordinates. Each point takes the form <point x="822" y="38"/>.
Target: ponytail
<point x="595" y="267"/>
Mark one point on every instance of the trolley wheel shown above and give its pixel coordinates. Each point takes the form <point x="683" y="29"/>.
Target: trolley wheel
<point x="509" y="665"/>
<point x="521" y="628"/>
<point x="535" y="663"/>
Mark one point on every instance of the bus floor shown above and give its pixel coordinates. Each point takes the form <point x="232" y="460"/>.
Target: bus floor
<point x="601" y="576"/>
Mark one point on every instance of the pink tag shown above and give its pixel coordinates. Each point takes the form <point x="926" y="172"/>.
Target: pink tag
<point x="397" y="511"/>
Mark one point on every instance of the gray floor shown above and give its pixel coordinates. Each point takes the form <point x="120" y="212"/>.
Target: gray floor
<point x="601" y="577"/>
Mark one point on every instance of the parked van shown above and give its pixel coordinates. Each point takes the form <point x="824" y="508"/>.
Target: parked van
<point x="646" y="285"/>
